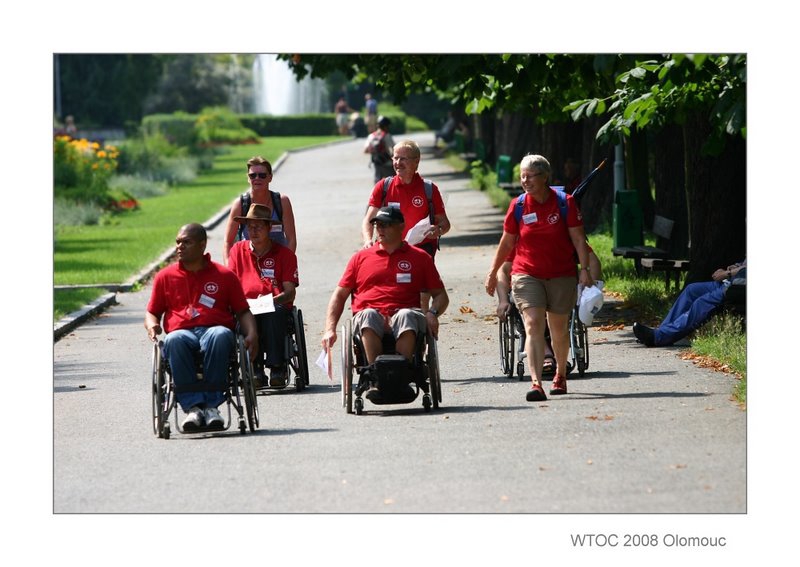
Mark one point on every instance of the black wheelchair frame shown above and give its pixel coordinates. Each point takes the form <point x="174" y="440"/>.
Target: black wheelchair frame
<point x="512" y="331"/>
<point x="296" y="354"/>
<point x="239" y="386"/>
<point x="422" y="372"/>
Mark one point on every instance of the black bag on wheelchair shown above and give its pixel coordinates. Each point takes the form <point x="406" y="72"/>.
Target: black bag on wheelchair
<point x="392" y="374"/>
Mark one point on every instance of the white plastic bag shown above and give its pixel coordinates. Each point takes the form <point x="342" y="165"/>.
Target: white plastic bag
<point x="590" y="302"/>
<point x="416" y="233"/>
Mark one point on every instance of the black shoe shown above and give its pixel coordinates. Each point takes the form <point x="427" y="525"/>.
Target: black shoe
<point x="277" y="378"/>
<point x="644" y="334"/>
<point x="374" y="395"/>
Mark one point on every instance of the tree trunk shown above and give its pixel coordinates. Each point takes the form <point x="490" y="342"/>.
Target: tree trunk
<point x="716" y="190"/>
<point x="637" y="173"/>
<point x="597" y="200"/>
<point x="669" y="179"/>
<point x="516" y="135"/>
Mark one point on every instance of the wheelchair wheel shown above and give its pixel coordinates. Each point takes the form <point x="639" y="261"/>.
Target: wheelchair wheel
<point x="517" y="330"/>
<point x="579" y="343"/>
<point x="432" y="361"/>
<point x="161" y="395"/>
<point x="347" y="366"/>
<point x="247" y="383"/>
<point x="506" y="337"/>
<point x="300" y="355"/>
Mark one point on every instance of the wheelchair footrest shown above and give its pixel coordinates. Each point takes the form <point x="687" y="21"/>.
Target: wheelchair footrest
<point x="393" y="375"/>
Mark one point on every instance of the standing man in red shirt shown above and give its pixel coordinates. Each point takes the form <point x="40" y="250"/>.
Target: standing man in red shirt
<point x="198" y="299"/>
<point x="406" y="192"/>
<point x="385" y="281"/>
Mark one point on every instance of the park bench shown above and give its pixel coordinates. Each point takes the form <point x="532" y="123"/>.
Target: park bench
<point x="654" y="258"/>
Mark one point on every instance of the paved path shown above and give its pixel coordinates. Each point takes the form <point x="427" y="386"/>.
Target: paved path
<point x="644" y="432"/>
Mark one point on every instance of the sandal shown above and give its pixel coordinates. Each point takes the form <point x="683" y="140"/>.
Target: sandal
<point x="549" y="365"/>
<point x="535" y="394"/>
<point x="559" y="386"/>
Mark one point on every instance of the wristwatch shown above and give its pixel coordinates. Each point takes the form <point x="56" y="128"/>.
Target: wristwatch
<point x="434" y="311"/>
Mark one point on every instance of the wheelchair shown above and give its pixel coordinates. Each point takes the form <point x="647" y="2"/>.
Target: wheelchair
<point x="512" y="331"/>
<point x="295" y="354"/>
<point x="240" y="393"/>
<point x="391" y="372"/>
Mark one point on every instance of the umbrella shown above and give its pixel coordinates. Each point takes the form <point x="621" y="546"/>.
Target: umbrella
<point x="585" y="183"/>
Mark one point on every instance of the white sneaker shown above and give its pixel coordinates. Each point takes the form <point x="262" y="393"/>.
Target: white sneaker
<point x="213" y="418"/>
<point x="193" y="420"/>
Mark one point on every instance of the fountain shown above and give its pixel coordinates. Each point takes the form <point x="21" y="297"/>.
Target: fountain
<point x="277" y="92"/>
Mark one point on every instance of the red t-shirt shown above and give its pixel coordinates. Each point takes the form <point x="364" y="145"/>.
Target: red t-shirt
<point x="264" y="275"/>
<point x="410" y="198"/>
<point x="205" y="298"/>
<point x="388" y="282"/>
<point x="543" y="249"/>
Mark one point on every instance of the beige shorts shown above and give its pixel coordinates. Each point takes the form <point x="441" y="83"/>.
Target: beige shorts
<point x="556" y="295"/>
<point x="402" y="321"/>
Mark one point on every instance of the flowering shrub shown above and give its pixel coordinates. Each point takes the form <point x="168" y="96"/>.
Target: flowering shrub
<point x="82" y="170"/>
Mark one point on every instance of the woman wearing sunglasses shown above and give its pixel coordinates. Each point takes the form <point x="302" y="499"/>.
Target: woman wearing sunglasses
<point x="259" y="176"/>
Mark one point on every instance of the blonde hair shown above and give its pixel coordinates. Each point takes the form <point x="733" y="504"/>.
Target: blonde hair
<point x="411" y="145"/>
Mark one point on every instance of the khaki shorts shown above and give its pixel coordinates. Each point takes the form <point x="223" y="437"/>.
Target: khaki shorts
<point x="556" y="295"/>
<point x="402" y="321"/>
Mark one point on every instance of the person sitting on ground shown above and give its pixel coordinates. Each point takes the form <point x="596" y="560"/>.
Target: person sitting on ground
<point x="694" y="306"/>
<point x="197" y="299"/>
<point x="259" y="176"/>
<point x="267" y="268"/>
<point x="385" y="282"/>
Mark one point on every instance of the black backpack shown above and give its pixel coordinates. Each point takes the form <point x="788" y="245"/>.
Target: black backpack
<point x="246" y="200"/>
<point x="378" y="152"/>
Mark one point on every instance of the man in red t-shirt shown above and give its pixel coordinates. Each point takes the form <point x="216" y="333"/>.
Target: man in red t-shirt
<point x="385" y="282"/>
<point x="198" y="299"/>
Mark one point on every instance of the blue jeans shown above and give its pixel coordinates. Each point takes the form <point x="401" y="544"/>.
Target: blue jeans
<point x="692" y="308"/>
<point x="216" y="343"/>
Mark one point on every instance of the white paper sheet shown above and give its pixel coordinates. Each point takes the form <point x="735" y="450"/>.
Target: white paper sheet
<point x="262" y="304"/>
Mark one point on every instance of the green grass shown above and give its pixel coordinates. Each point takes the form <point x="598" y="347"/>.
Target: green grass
<point x="723" y="339"/>
<point x="113" y="253"/>
<point x="73" y="299"/>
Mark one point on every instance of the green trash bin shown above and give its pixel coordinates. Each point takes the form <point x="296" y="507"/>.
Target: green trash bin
<point x="504" y="169"/>
<point x="459" y="140"/>
<point x="627" y="219"/>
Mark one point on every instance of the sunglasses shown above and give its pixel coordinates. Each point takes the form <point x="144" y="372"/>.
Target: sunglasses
<point x="259" y="175"/>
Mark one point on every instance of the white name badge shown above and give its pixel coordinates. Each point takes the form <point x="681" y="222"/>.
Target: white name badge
<point x="403" y="278"/>
<point x="393" y="204"/>
<point x="207" y="301"/>
<point x="529" y="218"/>
<point x="276" y="228"/>
<point x="268" y="273"/>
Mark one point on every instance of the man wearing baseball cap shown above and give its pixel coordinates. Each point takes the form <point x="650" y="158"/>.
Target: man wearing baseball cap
<point x="385" y="282"/>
